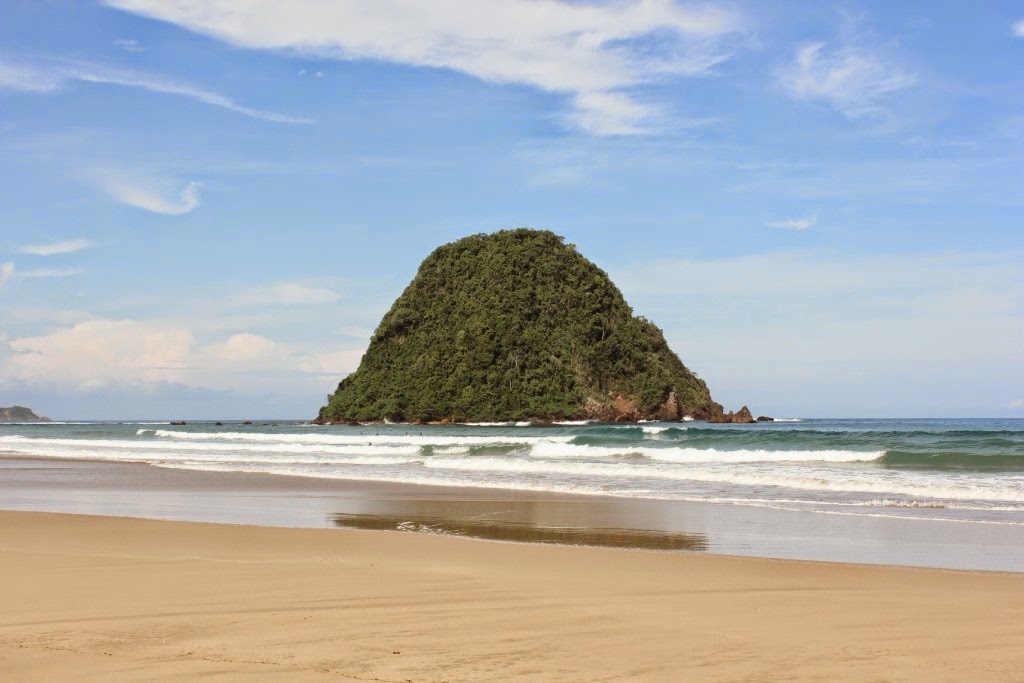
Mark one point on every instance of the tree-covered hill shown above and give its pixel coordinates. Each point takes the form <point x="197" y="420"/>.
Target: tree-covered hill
<point x="20" y="414"/>
<point x="515" y="325"/>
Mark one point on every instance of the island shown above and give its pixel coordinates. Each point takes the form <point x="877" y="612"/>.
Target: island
<point x="20" y="414"/>
<point x="518" y="325"/>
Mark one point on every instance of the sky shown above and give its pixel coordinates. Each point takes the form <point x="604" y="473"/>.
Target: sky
<point x="206" y="208"/>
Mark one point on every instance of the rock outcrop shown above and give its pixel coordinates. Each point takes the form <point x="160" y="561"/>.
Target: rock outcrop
<point x="517" y="325"/>
<point x="741" y="416"/>
<point x="20" y="414"/>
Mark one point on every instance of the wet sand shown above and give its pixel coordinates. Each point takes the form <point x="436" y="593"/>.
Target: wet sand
<point x="117" y="599"/>
<point x="140" y="490"/>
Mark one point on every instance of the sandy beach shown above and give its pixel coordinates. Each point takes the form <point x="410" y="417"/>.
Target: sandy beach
<point x="106" y="598"/>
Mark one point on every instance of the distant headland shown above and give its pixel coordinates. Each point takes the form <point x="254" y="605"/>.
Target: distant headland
<point x="517" y="325"/>
<point x="20" y="414"/>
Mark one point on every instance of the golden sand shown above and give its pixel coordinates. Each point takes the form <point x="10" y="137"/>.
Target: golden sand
<point x="115" y="599"/>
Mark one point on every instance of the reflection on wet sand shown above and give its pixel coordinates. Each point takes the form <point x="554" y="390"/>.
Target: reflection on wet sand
<point x="508" y="530"/>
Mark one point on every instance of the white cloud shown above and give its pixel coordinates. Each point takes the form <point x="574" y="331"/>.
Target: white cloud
<point x="332" y="363"/>
<point x="129" y="45"/>
<point x="62" y="247"/>
<point x="52" y="75"/>
<point x="50" y="272"/>
<point x="9" y="273"/>
<point x="147" y="197"/>
<point x="287" y="294"/>
<point x="20" y="77"/>
<point x="6" y="272"/>
<point x="143" y="357"/>
<point x="243" y="346"/>
<point x="852" y="78"/>
<point x="802" y="223"/>
<point x="1018" y="28"/>
<point x="1018" y="403"/>
<point x="101" y="352"/>
<point x="592" y="52"/>
<point x="297" y="293"/>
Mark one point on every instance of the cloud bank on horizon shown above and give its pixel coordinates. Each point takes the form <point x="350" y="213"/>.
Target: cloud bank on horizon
<point x="212" y="204"/>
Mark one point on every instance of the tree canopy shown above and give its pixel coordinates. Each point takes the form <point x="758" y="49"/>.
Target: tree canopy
<point x="511" y="325"/>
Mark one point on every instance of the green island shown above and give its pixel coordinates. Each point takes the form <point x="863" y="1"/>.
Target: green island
<point x="20" y="414"/>
<point x="517" y="325"/>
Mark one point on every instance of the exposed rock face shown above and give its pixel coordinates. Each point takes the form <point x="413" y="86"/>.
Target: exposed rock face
<point x="741" y="416"/>
<point x="516" y="325"/>
<point x="20" y="414"/>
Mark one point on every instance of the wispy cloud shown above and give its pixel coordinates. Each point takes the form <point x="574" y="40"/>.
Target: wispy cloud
<point x="51" y="272"/>
<point x="1018" y="403"/>
<point x="63" y="247"/>
<point x="289" y="294"/>
<point x="15" y="76"/>
<point x="852" y="78"/>
<point x="129" y="45"/>
<point x="9" y="273"/>
<point x="1018" y="28"/>
<point x="52" y="75"/>
<point x="802" y="223"/>
<point x="151" y="195"/>
<point x="593" y="53"/>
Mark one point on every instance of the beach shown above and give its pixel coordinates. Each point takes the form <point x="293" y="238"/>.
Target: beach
<point x="131" y="552"/>
<point x="118" y="599"/>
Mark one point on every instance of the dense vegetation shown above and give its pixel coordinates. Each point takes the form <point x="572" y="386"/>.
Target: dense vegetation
<point x="20" y="414"/>
<point x="511" y="325"/>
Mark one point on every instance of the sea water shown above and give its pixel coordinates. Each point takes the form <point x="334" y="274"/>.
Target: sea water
<point x="969" y="470"/>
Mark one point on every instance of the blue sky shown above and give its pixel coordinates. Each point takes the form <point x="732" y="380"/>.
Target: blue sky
<point x="207" y="207"/>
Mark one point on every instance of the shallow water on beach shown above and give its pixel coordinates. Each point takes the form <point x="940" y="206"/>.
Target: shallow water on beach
<point x="953" y="470"/>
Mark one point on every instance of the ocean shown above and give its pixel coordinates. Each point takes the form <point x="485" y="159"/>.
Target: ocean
<point x="955" y="470"/>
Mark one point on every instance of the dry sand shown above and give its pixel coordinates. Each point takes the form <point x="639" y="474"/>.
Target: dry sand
<point x="115" y="599"/>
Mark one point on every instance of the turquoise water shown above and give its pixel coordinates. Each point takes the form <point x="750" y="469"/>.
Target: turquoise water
<point x="956" y="470"/>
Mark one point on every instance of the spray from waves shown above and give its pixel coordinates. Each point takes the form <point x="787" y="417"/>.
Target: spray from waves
<point x="356" y="439"/>
<point x="695" y="455"/>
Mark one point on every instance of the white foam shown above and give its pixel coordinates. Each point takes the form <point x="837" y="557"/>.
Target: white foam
<point x="26" y="444"/>
<point x="654" y="430"/>
<point x="697" y="455"/>
<point x="426" y="439"/>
